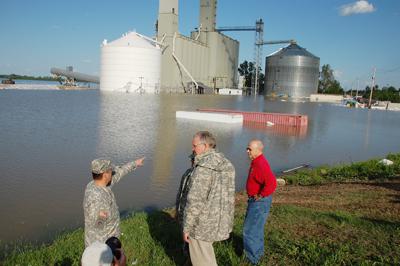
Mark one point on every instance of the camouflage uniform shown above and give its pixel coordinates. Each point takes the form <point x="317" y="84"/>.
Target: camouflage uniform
<point x="101" y="199"/>
<point x="182" y="195"/>
<point x="209" y="210"/>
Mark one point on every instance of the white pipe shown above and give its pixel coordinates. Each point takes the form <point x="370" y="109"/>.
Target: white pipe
<point x="198" y="35"/>
<point x="149" y="39"/>
<point x="179" y="62"/>
<point x="162" y="39"/>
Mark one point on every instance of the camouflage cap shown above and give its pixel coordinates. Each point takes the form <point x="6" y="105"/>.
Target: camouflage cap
<point x="100" y="166"/>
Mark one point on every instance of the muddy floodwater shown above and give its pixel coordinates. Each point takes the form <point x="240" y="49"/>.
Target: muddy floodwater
<point x="48" y="139"/>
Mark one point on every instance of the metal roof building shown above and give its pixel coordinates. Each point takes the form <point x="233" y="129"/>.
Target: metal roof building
<point x="291" y="71"/>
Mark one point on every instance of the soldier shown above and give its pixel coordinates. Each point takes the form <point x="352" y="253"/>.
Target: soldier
<point x="261" y="183"/>
<point x="99" y="205"/>
<point x="208" y="213"/>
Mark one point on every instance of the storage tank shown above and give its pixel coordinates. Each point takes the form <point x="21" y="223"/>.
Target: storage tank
<point x="131" y="63"/>
<point x="291" y="71"/>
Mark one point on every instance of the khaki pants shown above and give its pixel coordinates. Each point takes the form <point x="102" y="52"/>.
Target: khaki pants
<point x="202" y="253"/>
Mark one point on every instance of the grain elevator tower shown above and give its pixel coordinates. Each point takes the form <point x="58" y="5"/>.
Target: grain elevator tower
<point x="204" y="61"/>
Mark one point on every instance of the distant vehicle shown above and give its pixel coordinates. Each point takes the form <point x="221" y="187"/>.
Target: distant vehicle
<point x="7" y="81"/>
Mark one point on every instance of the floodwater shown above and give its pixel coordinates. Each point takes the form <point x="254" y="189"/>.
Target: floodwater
<point x="48" y="139"/>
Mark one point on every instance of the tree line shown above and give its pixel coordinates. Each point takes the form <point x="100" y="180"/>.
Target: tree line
<point x="25" y="77"/>
<point x="329" y="85"/>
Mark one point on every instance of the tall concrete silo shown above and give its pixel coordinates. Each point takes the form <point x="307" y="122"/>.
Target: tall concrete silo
<point x="291" y="71"/>
<point x="131" y="63"/>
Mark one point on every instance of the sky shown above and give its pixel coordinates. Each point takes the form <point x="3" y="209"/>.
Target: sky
<point x="353" y="37"/>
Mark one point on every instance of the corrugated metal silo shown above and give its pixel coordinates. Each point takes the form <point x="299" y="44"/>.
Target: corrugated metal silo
<point x="291" y="71"/>
<point x="131" y="63"/>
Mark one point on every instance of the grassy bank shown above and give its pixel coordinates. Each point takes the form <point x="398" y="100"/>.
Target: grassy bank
<point x="329" y="223"/>
<point x="360" y="171"/>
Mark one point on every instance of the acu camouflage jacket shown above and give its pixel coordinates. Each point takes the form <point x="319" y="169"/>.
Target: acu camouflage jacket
<point x="101" y="200"/>
<point x="209" y="210"/>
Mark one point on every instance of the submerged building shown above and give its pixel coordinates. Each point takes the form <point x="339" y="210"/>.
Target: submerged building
<point x="131" y="63"/>
<point x="207" y="59"/>
<point x="291" y="71"/>
<point x="200" y="63"/>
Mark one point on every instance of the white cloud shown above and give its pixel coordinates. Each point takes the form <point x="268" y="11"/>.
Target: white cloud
<point x="359" y="7"/>
<point x="87" y="61"/>
<point x="337" y="73"/>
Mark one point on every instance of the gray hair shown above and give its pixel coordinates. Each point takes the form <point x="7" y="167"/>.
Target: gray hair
<point x="206" y="138"/>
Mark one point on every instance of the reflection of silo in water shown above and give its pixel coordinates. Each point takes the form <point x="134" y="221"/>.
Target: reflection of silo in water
<point x="127" y="125"/>
<point x="292" y="71"/>
<point x="131" y="63"/>
<point x="166" y="139"/>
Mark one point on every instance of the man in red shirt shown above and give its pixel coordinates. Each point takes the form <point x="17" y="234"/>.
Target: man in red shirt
<point x="261" y="183"/>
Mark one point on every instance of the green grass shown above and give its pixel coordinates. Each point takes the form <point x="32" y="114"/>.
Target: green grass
<point x="295" y="235"/>
<point x="359" y="171"/>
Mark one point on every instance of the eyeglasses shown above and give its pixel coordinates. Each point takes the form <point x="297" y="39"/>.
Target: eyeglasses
<point x="248" y="149"/>
<point x="195" y="145"/>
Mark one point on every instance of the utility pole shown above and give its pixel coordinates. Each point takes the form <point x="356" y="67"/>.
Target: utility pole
<point x="351" y="90"/>
<point x="372" y="88"/>
<point x="358" y="83"/>
<point x="258" y="52"/>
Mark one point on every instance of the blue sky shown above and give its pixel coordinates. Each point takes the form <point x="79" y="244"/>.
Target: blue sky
<point x="352" y="36"/>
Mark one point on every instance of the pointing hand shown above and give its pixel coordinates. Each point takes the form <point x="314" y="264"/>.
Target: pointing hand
<point x="139" y="162"/>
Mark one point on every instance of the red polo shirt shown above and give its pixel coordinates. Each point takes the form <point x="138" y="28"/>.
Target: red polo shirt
<point x="261" y="179"/>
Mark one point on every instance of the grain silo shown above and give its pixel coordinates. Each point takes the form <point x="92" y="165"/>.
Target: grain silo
<point x="131" y="63"/>
<point x="291" y="71"/>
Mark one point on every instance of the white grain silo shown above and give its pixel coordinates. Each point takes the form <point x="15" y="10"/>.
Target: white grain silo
<point x="131" y="63"/>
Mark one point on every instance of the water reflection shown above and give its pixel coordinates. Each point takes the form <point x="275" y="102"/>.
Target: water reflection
<point x="48" y="139"/>
<point x="165" y="145"/>
<point x="45" y="140"/>
<point x="367" y="129"/>
<point x="278" y="130"/>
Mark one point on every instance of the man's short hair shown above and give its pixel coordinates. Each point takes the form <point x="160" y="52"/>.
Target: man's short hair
<point x="97" y="176"/>
<point x="97" y="254"/>
<point x="115" y="244"/>
<point x="207" y="138"/>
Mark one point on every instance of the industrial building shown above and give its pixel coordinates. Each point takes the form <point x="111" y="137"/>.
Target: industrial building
<point x="131" y="63"/>
<point x="207" y="58"/>
<point x="199" y="63"/>
<point x="204" y="62"/>
<point x="292" y="72"/>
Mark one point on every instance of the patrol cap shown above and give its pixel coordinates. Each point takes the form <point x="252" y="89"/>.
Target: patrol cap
<point x="100" y="166"/>
<point x="97" y="254"/>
